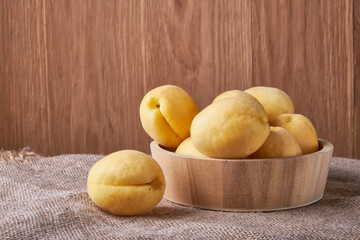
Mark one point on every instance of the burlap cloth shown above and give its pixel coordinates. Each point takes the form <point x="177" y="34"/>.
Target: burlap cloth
<point x="46" y="198"/>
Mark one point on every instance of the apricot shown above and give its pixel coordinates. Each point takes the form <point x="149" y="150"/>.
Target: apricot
<point x="166" y="114"/>
<point x="301" y="128"/>
<point x="274" y="100"/>
<point x="188" y="148"/>
<point x="280" y="143"/>
<point x="230" y="128"/>
<point x="235" y="93"/>
<point x="127" y="182"/>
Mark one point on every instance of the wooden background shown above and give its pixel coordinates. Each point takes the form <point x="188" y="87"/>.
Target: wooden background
<point x="73" y="73"/>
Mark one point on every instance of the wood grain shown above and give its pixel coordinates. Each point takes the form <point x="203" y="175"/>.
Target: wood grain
<point x="356" y="152"/>
<point x="24" y="82"/>
<point x="306" y="49"/>
<point x="73" y="73"/>
<point x="243" y="184"/>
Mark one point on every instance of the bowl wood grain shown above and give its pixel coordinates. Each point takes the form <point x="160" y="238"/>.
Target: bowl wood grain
<point x="244" y="184"/>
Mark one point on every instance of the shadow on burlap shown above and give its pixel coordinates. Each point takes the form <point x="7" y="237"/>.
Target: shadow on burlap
<point x="46" y="198"/>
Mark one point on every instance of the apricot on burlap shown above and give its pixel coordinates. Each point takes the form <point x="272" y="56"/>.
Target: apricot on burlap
<point x="46" y="198"/>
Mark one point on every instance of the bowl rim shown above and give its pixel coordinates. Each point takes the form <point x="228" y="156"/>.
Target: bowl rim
<point x="326" y="147"/>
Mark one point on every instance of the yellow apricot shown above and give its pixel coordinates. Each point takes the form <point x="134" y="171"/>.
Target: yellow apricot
<point x="230" y="128"/>
<point x="301" y="128"/>
<point x="274" y="100"/>
<point x="188" y="148"/>
<point x="280" y="143"/>
<point x="235" y="93"/>
<point x="166" y="114"/>
<point x="127" y="182"/>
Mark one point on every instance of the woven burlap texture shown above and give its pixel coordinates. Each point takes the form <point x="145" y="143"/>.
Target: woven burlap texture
<point x="46" y="198"/>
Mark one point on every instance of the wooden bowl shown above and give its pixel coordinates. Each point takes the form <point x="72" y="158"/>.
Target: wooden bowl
<point x="244" y="184"/>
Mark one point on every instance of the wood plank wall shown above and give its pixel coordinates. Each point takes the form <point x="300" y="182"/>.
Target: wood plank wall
<point x="356" y="148"/>
<point x="73" y="73"/>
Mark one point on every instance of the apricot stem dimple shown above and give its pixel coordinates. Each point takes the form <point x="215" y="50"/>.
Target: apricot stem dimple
<point x="153" y="103"/>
